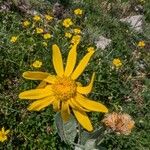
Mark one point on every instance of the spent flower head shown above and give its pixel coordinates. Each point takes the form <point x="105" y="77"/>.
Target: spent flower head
<point x="3" y="134"/>
<point x="67" y="22"/>
<point x="118" y="122"/>
<point x="37" y="64"/>
<point x="61" y="90"/>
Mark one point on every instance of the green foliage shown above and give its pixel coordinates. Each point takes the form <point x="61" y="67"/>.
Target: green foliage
<point x="123" y="90"/>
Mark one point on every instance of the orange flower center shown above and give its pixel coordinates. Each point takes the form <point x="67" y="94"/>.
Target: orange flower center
<point x="2" y="135"/>
<point x="64" y="88"/>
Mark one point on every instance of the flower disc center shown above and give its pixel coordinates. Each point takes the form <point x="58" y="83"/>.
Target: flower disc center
<point x="64" y="88"/>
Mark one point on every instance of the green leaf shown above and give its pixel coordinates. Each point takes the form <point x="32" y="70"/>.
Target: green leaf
<point x="96" y="134"/>
<point x="67" y="131"/>
<point x="91" y="145"/>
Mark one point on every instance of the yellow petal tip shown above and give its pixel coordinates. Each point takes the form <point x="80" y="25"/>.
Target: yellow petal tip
<point x="20" y="96"/>
<point x="90" y="129"/>
<point x="54" y="46"/>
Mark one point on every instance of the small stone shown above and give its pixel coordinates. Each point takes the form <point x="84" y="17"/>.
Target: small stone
<point x="136" y="22"/>
<point x="102" y="42"/>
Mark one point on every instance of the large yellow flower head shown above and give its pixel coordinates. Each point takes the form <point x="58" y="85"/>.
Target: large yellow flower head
<point x="61" y="90"/>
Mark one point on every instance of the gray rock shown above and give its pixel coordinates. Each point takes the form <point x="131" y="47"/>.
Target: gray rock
<point x="136" y="22"/>
<point x="102" y="42"/>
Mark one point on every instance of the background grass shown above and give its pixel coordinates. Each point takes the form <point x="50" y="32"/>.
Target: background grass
<point x="125" y="90"/>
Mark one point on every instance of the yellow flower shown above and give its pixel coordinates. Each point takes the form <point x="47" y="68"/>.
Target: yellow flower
<point x="37" y="64"/>
<point x="68" y="35"/>
<point x="67" y="22"/>
<point x="76" y="39"/>
<point x="3" y="134"/>
<point x="78" y="11"/>
<point x="120" y="123"/>
<point x="44" y="44"/>
<point x="77" y="31"/>
<point x="141" y="44"/>
<point x="36" y="18"/>
<point x="26" y="23"/>
<point x="39" y="30"/>
<point x="13" y="39"/>
<point x="89" y="49"/>
<point x="47" y="36"/>
<point x="117" y="62"/>
<point x="48" y="17"/>
<point x="61" y="90"/>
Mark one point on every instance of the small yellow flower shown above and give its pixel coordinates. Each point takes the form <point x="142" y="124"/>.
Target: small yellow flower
<point x="78" y="11"/>
<point x="39" y="30"/>
<point x="67" y="22"/>
<point x="13" y="39"/>
<point x="68" y="35"/>
<point x="47" y="36"/>
<point x="120" y="123"/>
<point x="36" y="18"/>
<point x="26" y="23"/>
<point x="117" y="62"/>
<point x="44" y="44"/>
<point x="89" y="49"/>
<point x="48" y="17"/>
<point x="37" y="64"/>
<point x="76" y="39"/>
<point x="141" y="44"/>
<point x="77" y="31"/>
<point x="3" y="134"/>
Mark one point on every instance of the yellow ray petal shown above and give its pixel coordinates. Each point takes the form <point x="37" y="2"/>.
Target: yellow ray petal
<point x="41" y="85"/>
<point x="71" y="60"/>
<point x="42" y="103"/>
<point x="56" y="105"/>
<point x="50" y="79"/>
<point x="81" y="66"/>
<point x="74" y="105"/>
<point x="83" y="119"/>
<point x="7" y="131"/>
<point x="86" y="89"/>
<point x="35" y="75"/>
<point x="36" y="93"/>
<point x="57" y="60"/>
<point x="65" y="111"/>
<point x="3" y="130"/>
<point x="90" y="105"/>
